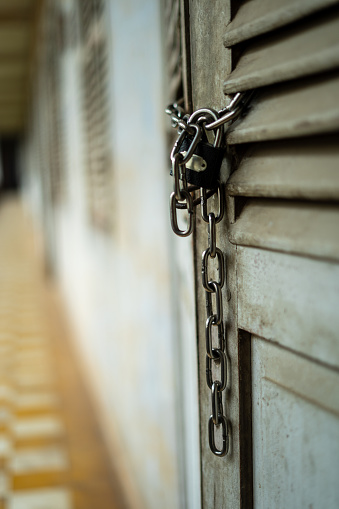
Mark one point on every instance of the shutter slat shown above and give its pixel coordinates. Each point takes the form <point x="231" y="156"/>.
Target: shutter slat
<point x="292" y="227"/>
<point x="305" y="169"/>
<point x="257" y="17"/>
<point x="306" y="49"/>
<point x="288" y="110"/>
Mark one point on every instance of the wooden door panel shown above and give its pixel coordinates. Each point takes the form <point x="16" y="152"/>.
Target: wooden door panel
<point x="280" y="240"/>
<point x="291" y="300"/>
<point x="295" y="430"/>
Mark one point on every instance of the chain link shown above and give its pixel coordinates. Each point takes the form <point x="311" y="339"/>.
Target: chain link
<point x="181" y="198"/>
<point x="187" y="197"/>
<point x="215" y="355"/>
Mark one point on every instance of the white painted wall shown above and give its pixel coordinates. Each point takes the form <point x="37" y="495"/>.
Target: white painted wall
<point x="117" y="286"/>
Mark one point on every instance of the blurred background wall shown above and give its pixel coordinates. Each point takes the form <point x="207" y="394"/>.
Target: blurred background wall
<point x="95" y="178"/>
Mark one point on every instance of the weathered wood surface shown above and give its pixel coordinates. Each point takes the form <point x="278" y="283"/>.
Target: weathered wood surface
<point x="287" y="298"/>
<point x="209" y="59"/>
<point x="220" y="476"/>
<point x="260" y="16"/>
<point x="299" y="169"/>
<point x="295" y="429"/>
<point x="293" y="227"/>
<point x="305" y="108"/>
<point x="301" y="50"/>
<point x="290" y="300"/>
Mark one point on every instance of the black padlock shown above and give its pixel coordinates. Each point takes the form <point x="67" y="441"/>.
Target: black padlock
<point x="203" y="168"/>
<point x="201" y="159"/>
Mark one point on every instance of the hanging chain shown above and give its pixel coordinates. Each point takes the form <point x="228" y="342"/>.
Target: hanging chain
<point x="216" y="357"/>
<point x="191" y="131"/>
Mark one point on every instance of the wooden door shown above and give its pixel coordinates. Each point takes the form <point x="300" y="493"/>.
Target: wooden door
<point x="280" y="238"/>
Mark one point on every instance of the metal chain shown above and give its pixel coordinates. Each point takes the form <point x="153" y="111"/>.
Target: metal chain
<point x="226" y="115"/>
<point x="181" y="198"/>
<point x="216" y="356"/>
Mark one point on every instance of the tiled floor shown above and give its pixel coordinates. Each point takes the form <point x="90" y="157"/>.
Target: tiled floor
<point x="51" y="452"/>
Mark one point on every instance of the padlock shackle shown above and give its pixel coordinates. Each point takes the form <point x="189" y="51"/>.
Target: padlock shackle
<point x="201" y="115"/>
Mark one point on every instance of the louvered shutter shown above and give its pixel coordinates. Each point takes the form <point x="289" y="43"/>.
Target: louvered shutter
<point x="96" y="118"/>
<point x="283" y="212"/>
<point x="289" y="54"/>
<point x="280" y="239"/>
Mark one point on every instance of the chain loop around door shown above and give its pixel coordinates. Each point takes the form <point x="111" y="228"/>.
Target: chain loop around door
<point x="191" y="142"/>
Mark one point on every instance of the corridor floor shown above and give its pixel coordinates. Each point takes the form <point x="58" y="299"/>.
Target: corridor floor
<point x="51" y="452"/>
